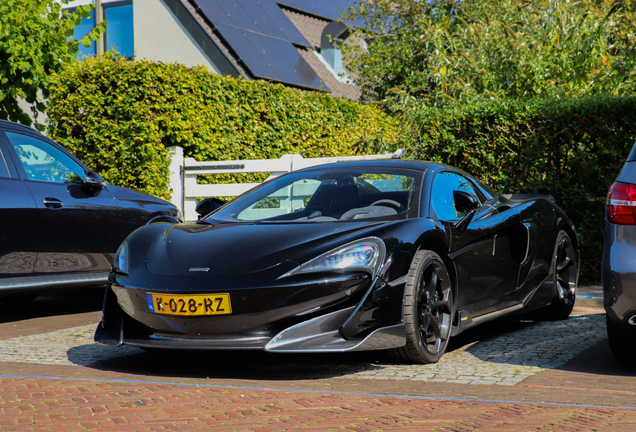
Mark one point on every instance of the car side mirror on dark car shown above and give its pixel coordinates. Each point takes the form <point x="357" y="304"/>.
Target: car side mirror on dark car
<point x="208" y="205"/>
<point x="93" y="184"/>
<point x="464" y="202"/>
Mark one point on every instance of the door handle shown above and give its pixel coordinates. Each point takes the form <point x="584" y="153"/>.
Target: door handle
<point x="53" y="203"/>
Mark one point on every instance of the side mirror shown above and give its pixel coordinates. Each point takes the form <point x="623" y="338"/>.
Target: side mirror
<point x="208" y="205"/>
<point x="93" y="184"/>
<point x="465" y="221"/>
<point x="464" y="202"/>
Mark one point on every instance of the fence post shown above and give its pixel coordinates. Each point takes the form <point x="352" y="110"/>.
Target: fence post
<point x="294" y="160"/>
<point x="176" y="176"/>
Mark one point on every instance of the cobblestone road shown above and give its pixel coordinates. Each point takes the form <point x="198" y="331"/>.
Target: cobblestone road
<point x="504" y="359"/>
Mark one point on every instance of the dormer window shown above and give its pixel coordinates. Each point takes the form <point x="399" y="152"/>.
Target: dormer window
<point x="331" y="40"/>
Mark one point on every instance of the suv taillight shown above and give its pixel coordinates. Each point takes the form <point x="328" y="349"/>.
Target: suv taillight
<point x="621" y="202"/>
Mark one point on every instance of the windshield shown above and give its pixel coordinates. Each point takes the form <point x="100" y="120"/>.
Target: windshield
<point x="328" y="195"/>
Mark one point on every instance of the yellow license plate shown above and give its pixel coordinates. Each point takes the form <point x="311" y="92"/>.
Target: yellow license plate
<point x="189" y="305"/>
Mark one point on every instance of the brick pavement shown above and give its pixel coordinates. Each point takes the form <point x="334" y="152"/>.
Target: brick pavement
<point x="587" y="390"/>
<point x="30" y="404"/>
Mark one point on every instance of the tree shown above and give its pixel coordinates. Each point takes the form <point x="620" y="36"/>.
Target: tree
<point x="36" y="40"/>
<point x="444" y="51"/>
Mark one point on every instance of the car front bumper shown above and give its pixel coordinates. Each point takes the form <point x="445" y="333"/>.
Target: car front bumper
<point x="320" y="321"/>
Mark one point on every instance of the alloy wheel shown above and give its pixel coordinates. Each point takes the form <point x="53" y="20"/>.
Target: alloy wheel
<point x="434" y="309"/>
<point x="565" y="271"/>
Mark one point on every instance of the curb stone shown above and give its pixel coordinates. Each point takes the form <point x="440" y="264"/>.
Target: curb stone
<point x="589" y="296"/>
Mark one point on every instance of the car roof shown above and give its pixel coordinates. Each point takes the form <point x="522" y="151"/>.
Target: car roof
<point x="9" y="122"/>
<point x="16" y="125"/>
<point x="417" y="165"/>
<point x="430" y="167"/>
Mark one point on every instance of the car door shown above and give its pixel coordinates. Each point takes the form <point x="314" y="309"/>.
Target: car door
<point x="17" y="214"/>
<point x="68" y="229"/>
<point x="482" y="251"/>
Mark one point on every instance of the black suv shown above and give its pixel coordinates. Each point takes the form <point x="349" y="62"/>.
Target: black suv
<point x="60" y="224"/>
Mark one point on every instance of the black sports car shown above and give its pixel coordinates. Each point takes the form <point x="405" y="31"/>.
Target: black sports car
<point x="392" y="254"/>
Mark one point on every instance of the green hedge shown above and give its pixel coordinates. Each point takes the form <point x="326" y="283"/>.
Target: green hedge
<point x="571" y="149"/>
<point x="120" y="116"/>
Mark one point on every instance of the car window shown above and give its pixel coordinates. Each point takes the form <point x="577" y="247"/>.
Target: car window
<point x="329" y="195"/>
<point x="384" y="182"/>
<point x="282" y="201"/>
<point x="442" y="199"/>
<point x="44" y="162"/>
<point x="485" y="191"/>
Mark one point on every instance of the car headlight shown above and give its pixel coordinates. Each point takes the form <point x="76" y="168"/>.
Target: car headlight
<point x="365" y="254"/>
<point x="120" y="263"/>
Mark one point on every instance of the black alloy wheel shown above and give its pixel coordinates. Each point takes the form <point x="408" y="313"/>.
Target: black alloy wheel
<point x="564" y="274"/>
<point x="428" y="310"/>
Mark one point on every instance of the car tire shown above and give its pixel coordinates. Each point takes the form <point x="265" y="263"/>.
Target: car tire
<point x="428" y="310"/>
<point x="564" y="274"/>
<point x="621" y="342"/>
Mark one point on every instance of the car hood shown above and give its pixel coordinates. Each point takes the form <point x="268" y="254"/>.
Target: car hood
<point x="226" y="249"/>
<point x="125" y="194"/>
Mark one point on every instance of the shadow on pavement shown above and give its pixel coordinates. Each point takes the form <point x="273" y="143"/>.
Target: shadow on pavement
<point x="578" y="344"/>
<point x="54" y="303"/>
<point x="257" y="365"/>
<point x="599" y="360"/>
<point x="487" y="331"/>
<point x="272" y="366"/>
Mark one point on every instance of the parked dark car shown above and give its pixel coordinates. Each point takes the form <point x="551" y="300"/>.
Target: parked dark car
<point x="393" y="254"/>
<point x="619" y="264"/>
<point x="60" y="224"/>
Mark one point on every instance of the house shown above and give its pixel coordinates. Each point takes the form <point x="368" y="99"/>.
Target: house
<point x="293" y="42"/>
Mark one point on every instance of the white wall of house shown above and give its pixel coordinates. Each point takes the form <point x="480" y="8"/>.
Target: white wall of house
<point x="159" y="36"/>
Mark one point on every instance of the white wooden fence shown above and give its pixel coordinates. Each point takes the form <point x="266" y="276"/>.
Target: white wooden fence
<point x="184" y="172"/>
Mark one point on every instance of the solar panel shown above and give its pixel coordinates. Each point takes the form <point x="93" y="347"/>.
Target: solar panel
<point x="212" y="9"/>
<point x="323" y="9"/>
<point x="330" y="9"/>
<point x="337" y="7"/>
<point x="271" y="58"/>
<point x="286" y="26"/>
<point x="239" y="17"/>
<point x="259" y="16"/>
<point x="274" y="59"/>
<point x="302" y="5"/>
<point x="264" y="22"/>
<point x="252" y="58"/>
<point x="260" y="33"/>
<point x="306" y="76"/>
